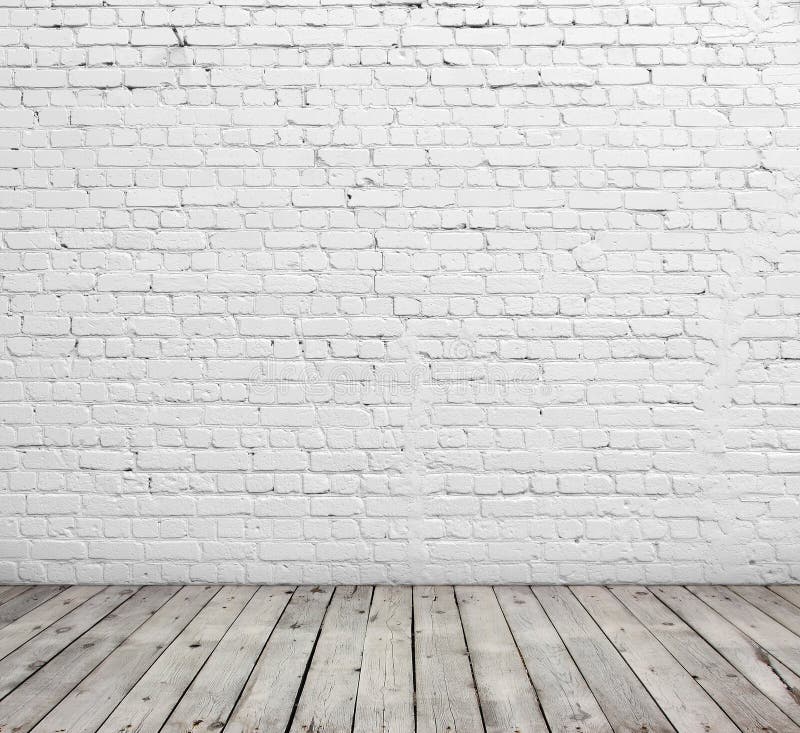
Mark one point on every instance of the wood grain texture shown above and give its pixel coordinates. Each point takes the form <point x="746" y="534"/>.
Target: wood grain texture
<point x="152" y="698"/>
<point x="35" y="653"/>
<point x="93" y="700"/>
<point x="26" y="601"/>
<point x="568" y="704"/>
<point x="446" y="696"/>
<point x="15" y="634"/>
<point x="269" y="696"/>
<point x="429" y="659"/>
<point x="385" y="702"/>
<point x="686" y="704"/>
<point x="746" y="706"/>
<point x="767" y="673"/>
<point x="327" y="702"/>
<point x="211" y="697"/>
<point x="7" y="592"/>
<point x="505" y="693"/>
<point x="789" y="592"/>
<point x="624" y="700"/>
<point x="765" y="631"/>
<point x="34" y="698"/>
<point x="772" y="604"/>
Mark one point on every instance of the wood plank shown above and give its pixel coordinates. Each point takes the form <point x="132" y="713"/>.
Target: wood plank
<point x="90" y="666"/>
<point x="446" y="696"/>
<point x="11" y="591"/>
<point x="736" y="695"/>
<point x="685" y="703"/>
<point x="27" y="601"/>
<point x="269" y="696"/>
<point x="34" y="654"/>
<point x="506" y="696"/>
<point x="15" y="634"/>
<point x="624" y="700"/>
<point x="207" y="703"/>
<point x="766" y="632"/>
<point x="772" y="604"/>
<point x="777" y="682"/>
<point x="92" y="701"/>
<point x="328" y="699"/>
<point x="568" y="704"/>
<point x="151" y="700"/>
<point x="385" y="702"/>
<point x="790" y="592"/>
<point x="33" y="699"/>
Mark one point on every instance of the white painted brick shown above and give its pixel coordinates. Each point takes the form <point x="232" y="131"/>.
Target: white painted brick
<point x="441" y="294"/>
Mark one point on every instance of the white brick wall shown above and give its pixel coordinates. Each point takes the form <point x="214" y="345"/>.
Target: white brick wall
<point x="326" y="291"/>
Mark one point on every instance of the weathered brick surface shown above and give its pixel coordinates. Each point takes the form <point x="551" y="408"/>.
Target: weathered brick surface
<point x="325" y="291"/>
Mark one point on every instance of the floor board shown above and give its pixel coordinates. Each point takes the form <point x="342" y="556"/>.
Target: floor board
<point x="790" y="593"/>
<point x="46" y="644"/>
<point x="569" y="705"/>
<point x="770" y="603"/>
<point x="445" y="688"/>
<point x="777" y="682"/>
<point x="685" y="703"/>
<point x="151" y="700"/>
<point x="626" y="702"/>
<point x="26" y="601"/>
<point x="328" y="698"/>
<point x="16" y="633"/>
<point x="7" y="592"/>
<point x="744" y="704"/>
<point x="385" y="702"/>
<point x="268" y="698"/>
<point x="772" y="636"/>
<point x="21" y="710"/>
<point x="505" y="693"/>
<point x="87" y="706"/>
<point x="206" y="705"/>
<point x="432" y="659"/>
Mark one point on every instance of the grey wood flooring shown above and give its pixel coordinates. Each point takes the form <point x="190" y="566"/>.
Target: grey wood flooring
<point x="427" y="659"/>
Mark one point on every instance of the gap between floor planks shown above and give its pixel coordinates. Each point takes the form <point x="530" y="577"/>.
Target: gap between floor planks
<point x="392" y="659"/>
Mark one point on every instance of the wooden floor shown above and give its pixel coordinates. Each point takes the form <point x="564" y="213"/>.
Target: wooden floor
<point x="705" y="659"/>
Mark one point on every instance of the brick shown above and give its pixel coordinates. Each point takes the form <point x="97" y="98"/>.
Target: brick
<point x="442" y="294"/>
